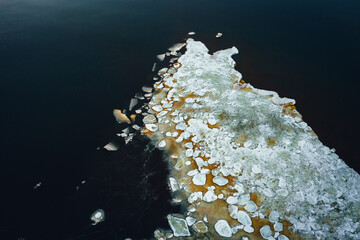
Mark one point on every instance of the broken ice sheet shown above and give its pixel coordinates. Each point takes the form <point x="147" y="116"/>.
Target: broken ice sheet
<point x="249" y="146"/>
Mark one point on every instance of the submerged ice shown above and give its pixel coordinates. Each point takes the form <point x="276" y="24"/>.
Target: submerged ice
<point x="244" y="155"/>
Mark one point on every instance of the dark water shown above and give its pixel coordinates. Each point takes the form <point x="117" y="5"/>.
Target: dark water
<point x="64" y="65"/>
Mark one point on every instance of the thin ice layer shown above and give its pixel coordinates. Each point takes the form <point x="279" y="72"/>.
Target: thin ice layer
<point x="259" y="143"/>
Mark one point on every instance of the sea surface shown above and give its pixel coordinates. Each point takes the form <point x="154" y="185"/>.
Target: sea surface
<point x="66" y="64"/>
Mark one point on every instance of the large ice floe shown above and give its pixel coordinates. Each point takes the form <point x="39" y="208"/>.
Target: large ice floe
<point x="244" y="165"/>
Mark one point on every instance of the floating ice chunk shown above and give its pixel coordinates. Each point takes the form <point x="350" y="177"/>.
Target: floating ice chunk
<point x="282" y="192"/>
<point x="190" y="220"/>
<point x="282" y="182"/>
<point x="161" y="57"/>
<point x="278" y="227"/>
<point x="200" y="227"/>
<point x="244" y="218"/>
<point x="111" y="146"/>
<point x="195" y="196"/>
<point x="231" y="200"/>
<point x="221" y="181"/>
<point x="176" y="47"/>
<point x="218" y="35"/>
<point x="212" y="121"/>
<point x="223" y="228"/>
<point x="199" y="179"/>
<point x="282" y="237"/>
<point x="268" y="192"/>
<point x="256" y="169"/>
<point x="162" y="144"/>
<point x="153" y="67"/>
<point x="250" y="206"/>
<point x="274" y="216"/>
<point x="243" y="199"/>
<point x="97" y="216"/>
<point x="181" y="126"/>
<point x="188" y="145"/>
<point x="147" y="89"/>
<point x="37" y="185"/>
<point x="133" y="103"/>
<point x="265" y="231"/>
<point x="178" y="226"/>
<point x="151" y="127"/>
<point x="199" y="162"/>
<point x="210" y="196"/>
<point x="120" y="117"/>
<point x="157" y="108"/>
<point x="191" y="33"/>
<point x="247" y="144"/>
<point x="192" y="172"/>
<point x="188" y="163"/>
<point x="189" y="152"/>
<point x="174" y="185"/>
<point x="248" y="229"/>
<point x="233" y="210"/>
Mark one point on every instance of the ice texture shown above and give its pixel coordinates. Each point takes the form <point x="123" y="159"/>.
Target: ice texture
<point x="259" y="140"/>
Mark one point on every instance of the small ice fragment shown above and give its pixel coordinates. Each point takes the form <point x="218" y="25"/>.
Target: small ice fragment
<point x="162" y="144"/>
<point x="256" y="169"/>
<point x="151" y="127"/>
<point x="174" y="185"/>
<point x="161" y="57"/>
<point x="221" y="181"/>
<point x="157" y="108"/>
<point x="133" y="103"/>
<point x="190" y="220"/>
<point x="199" y="179"/>
<point x="248" y="229"/>
<point x="178" y="226"/>
<point x="153" y="67"/>
<point x="282" y="237"/>
<point x="244" y="218"/>
<point x="265" y="231"/>
<point x="247" y="144"/>
<point x="191" y="33"/>
<point x="212" y="121"/>
<point x="147" y="89"/>
<point x="200" y="227"/>
<point x="233" y="210"/>
<point x="250" y="206"/>
<point x="97" y="216"/>
<point x="111" y="146"/>
<point x="278" y="227"/>
<point x="187" y="163"/>
<point x="176" y="47"/>
<point x="231" y="200"/>
<point x="218" y="35"/>
<point x="149" y="119"/>
<point x="244" y="199"/>
<point x="195" y="196"/>
<point x="192" y="172"/>
<point x="120" y="117"/>
<point x="189" y="152"/>
<point x="209" y="196"/>
<point x="274" y="216"/>
<point x="37" y="185"/>
<point x="223" y="228"/>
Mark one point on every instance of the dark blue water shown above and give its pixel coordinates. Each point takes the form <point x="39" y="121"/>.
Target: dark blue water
<point x="64" y="65"/>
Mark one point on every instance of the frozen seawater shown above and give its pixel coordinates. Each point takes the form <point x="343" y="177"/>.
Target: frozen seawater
<point x="242" y="147"/>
